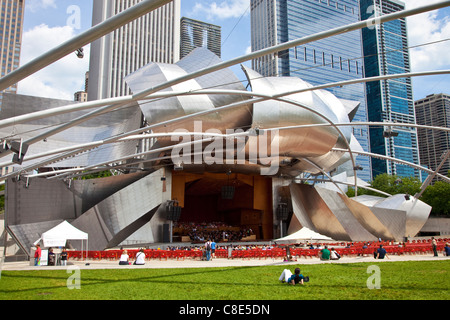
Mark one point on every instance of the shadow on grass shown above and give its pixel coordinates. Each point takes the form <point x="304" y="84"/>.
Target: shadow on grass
<point x="227" y="277"/>
<point x="174" y="278"/>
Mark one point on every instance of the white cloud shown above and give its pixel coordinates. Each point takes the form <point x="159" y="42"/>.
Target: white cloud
<point x="35" y="5"/>
<point x="223" y="10"/>
<point x="62" y="78"/>
<point x="426" y="28"/>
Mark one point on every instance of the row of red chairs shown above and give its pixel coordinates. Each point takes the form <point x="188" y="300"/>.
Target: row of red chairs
<point x="278" y="252"/>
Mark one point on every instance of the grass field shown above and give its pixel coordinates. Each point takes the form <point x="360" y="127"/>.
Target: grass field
<point x="410" y="280"/>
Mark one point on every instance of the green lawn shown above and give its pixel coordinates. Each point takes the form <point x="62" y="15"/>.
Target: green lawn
<point x="412" y="280"/>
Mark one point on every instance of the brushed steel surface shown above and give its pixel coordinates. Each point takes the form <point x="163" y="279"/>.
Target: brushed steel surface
<point x="116" y="218"/>
<point x="352" y="226"/>
<point x="323" y="219"/>
<point x="102" y="127"/>
<point x="417" y="211"/>
<point x="363" y="218"/>
<point x="369" y="220"/>
<point x="159" y="110"/>
<point x="306" y="142"/>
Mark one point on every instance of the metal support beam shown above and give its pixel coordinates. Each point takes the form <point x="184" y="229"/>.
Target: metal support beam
<point x="80" y="41"/>
<point x="118" y="101"/>
<point x="430" y="178"/>
<point x="297" y="42"/>
<point x="413" y="165"/>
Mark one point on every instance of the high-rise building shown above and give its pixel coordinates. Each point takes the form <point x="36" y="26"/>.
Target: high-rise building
<point x="81" y="96"/>
<point x="196" y="34"/>
<point x="386" y="52"/>
<point x="324" y="61"/>
<point x="11" y="29"/>
<point x="154" y="37"/>
<point x="434" y="110"/>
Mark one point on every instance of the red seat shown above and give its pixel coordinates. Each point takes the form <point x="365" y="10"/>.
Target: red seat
<point x="112" y="255"/>
<point x="163" y="255"/>
<point x="180" y="254"/>
<point x="237" y="254"/>
<point x="148" y="254"/>
<point x="264" y="254"/>
<point x="74" y="254"/>
<point x="197" y="254"/>
<point x="221" y="253"/>
<point x="94" y="255"/>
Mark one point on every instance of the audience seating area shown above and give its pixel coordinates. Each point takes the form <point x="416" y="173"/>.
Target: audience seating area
<point x="272" y="252"/>
<point x="219" y="231"/>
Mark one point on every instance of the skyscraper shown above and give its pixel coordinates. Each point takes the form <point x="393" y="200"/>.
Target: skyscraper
<point x="154" y="37"/>
<point x="11" y="29"/>
<point x="386" y="52"/>
<point x="324" y="61"/>
<point x="434" y="110"/>
<point x="196" y="34"/>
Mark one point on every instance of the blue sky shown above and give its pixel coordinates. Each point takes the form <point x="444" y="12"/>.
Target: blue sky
<point x="51" y="22"/>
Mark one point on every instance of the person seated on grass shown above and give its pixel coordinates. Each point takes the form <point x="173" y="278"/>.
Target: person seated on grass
<point x="447" y="250"/>
<point x="381" y="253"/>
<point x="124" y="258"/>
<point x="325" y="254"/>
<point x="140" y="257"/>
<point x="293" y="279"/>
<point x="334" y="255"/>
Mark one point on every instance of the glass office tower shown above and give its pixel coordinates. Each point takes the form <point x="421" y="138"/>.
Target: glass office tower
<point x="11" y="29"/>
<point x="434" y="110"/>
<point x="386" y="52"/>
<point x="328" y="60"/>
<point x="196" y="34"/>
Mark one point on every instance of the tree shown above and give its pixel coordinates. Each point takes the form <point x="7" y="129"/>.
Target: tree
<point x="96" y="175"/>
<point x="391" y="184"/>
<point x="438" y="197"/>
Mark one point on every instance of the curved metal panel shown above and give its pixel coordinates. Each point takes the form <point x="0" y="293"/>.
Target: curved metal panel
<point x="315" y="143"/>
<point x="317" y="215"/>
<point x="201" y="58"/>
<point x="352" y="226"/>
<point x="417" y="212"/>
<point x="369" y="220"/>
<point x="159" y="110"/>
<point x="117" y="217"/>
<point x="363" y="218"/>
<point x="272" y="114"/>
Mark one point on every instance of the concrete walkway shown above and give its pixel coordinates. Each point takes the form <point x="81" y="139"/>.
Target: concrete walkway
<point x="219" y="262"/>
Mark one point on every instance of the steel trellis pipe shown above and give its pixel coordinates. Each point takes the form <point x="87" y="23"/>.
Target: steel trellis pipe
<point x="80" y="41"/>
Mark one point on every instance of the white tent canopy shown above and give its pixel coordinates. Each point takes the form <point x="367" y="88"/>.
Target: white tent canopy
<point x="304" y="234"/>
<point x="58" y="236"/>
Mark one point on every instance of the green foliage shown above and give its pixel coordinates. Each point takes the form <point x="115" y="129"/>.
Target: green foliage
<point x="438" y="197"/>
<point x="391" y="184"/>
<point x="410" y="280"/>
<point x="101" y="174"/>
